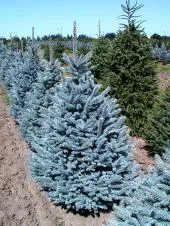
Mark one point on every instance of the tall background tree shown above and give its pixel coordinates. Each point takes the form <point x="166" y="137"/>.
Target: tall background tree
<point x="130" y="72"/>
<point x="100" y="49"/>
<point x="157" y="129"/>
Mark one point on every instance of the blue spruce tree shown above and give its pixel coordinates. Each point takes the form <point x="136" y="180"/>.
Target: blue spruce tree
<point x="3" y="53"/>
<point x="148" y="204"/>
<point x="15" y="63"/>
<point x="38" y="99"/>
<point x="83" y="159"/>
<point x="22" y="83"/>
<point x="8" y="58"/>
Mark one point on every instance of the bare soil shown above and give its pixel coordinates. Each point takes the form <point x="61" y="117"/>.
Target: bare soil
<point x="140" y="154"/>
<point x="21" y="203"/>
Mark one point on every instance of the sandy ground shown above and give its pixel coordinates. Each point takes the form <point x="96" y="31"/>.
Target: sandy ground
<point x="21" y="204"/>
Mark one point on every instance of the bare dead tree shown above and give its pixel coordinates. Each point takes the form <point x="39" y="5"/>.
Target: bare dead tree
<point x="75" y="39"/>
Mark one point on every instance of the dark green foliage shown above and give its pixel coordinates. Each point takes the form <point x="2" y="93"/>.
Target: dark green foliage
<point x="99" y="59"/>
<point x="58" y="50"/>
<point x="157" y="39"/>
<point x="23" y="44"/>
<point x="83" y="50"/>
<point x="84" y="38"/>
<point x="156" y="36"/>
<point x="131" y="74"/>
<point x="110" y="36"/>
<point x="46" y="52"/>
<point x="157" y="130"/>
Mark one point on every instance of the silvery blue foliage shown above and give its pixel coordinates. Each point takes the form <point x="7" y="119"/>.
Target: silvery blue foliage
<point x="38" y="99"/>
<point x="15" y="63"/>
<point x="3" y="52"/>
<point x="7" y="60"/>
<point x="22" y="83"/>
<point x="149" y="203"/>
<point x="161" y="53"/>
<point x="83" y="158"/>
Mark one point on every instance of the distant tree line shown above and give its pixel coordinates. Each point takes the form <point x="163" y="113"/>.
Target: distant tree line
<point x="157" y="40"/>
<point x="161" y="44"/>
<point x="53" y="37"/>
<point x="60" y="43"/>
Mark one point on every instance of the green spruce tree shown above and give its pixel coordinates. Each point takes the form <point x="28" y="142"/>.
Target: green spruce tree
<point x="46" y="52"/>
<point x="157" y="130"/>
<point x="99" y="59"/>
<point x="58" y="50"/>
<point x="131" y="74"/>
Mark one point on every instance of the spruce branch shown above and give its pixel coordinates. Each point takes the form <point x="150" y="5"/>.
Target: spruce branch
<point x="130" y="16"/>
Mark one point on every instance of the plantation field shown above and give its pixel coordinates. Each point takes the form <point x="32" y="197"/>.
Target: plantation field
<point x="30" y="206"/>
<point x="74" y="152"/>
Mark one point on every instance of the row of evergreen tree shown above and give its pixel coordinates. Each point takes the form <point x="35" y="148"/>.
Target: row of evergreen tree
<point x="80" y="146"/>
<point x="161" y="53"/>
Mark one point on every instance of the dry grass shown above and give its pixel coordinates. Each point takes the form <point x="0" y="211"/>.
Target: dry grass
<point x="163" y="68"/>
<point x="4" y="96"/>
<point x="163" y="75"/>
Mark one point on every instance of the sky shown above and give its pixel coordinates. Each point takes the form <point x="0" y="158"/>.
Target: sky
<point x="55" y="16"/>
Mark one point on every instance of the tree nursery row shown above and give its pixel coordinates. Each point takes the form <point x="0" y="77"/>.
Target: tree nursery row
<point x="79" y="131"/>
